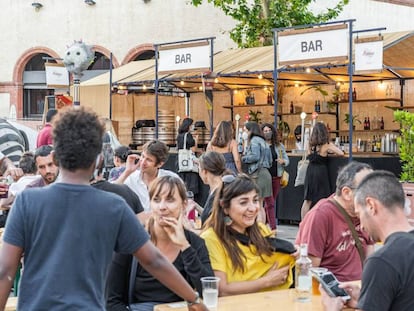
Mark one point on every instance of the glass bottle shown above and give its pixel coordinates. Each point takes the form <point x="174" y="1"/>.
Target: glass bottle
<point x="303" y="276"/>
<point x="382" y="123"/>
<point x="269" y="98"/>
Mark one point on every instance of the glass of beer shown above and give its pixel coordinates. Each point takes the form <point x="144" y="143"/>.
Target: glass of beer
<point x="315" y="283"/>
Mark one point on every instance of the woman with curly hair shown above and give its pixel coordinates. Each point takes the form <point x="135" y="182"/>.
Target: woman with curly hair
<point x="317" y="184"/>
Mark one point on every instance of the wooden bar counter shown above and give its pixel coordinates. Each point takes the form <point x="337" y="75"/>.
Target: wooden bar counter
<point x="274" y="300"/>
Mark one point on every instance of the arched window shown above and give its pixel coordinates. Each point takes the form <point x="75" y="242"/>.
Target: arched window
<point x="145" y="55"/>
<point x="101" y="62"/>
<point x="34" y="86"/>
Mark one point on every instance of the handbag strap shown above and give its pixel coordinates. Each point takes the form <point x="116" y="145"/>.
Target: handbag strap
<point x="281" y="157"/>
<point x="351" y="226"/>
<point x="185" y="141"/>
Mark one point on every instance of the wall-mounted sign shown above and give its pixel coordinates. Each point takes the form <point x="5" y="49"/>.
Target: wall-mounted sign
<point x="369" y="54"/>
<point x="319" y="44"/>
<point x="57" y="75"/>
<point x="184" y="57"/>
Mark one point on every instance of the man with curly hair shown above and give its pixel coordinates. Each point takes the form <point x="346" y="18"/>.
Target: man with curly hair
<point x="68" y="230"/>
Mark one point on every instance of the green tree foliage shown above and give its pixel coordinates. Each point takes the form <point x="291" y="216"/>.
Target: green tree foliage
<point x="406" y="143"/>
<point x="256" y="18"/>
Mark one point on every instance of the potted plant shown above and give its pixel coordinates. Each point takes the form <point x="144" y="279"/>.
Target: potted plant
<point x="330" y="104"/>
<point x="405" y="143"/>
<point x="355" y="119"/>
<point x="250" y="100"/>
<point x="254" y="116"/>
<point x="284" y="129"/>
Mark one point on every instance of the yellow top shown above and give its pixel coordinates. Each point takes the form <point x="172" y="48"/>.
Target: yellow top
<point x="256" y="267"/>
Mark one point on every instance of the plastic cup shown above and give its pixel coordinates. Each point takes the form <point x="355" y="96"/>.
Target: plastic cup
<point x="210" y="286"/>
<point x="315" y="283"/>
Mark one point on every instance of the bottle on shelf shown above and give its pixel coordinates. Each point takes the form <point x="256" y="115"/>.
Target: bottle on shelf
<point x="292" y="109"/>
<point x="365" y="123"/>
<point x="382" y="123"/>
<point x="269" y="98"/>
<point x="374" y="144"/>
<point x="354" y="94"/>
<point x="375" y="123"/>
<point x="368" y="124"/>
<point x="303" y="276"/>
<point x="378" y="143"/>
<point x="240" y="148"/>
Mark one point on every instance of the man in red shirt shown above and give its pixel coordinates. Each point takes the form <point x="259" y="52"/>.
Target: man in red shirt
<point x="325" y="230"/>
<point x="45" y="135"/>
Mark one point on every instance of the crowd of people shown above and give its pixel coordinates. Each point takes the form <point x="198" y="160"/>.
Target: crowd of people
<point x="127" y="242"/>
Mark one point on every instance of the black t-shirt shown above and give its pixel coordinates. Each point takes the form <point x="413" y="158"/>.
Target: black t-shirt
<point x="123" y="191"/>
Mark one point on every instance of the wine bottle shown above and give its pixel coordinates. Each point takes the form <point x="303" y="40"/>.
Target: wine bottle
<point x="303" y="277"/>
<point x="382" y="123"/>
<point x="368" y="124"/>
<point x="292" y="110"/>
<point x="269" y="98"/>
<point x="354" y="95"/>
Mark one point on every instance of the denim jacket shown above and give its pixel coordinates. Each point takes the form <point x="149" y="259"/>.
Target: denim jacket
<point x="257" y="155"/>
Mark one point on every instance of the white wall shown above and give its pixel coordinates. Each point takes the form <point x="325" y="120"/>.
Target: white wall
<point x="116" y="25"/>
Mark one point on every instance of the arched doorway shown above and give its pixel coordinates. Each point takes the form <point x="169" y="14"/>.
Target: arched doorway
<point x="100" y="65"/>
<point x="141" y="52"/>
<point x="34" y="86"/>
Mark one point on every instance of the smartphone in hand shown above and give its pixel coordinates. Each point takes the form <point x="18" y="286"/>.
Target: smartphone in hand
<point x="331" y="285"/>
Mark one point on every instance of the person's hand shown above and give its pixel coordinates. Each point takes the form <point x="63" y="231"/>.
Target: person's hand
<point x="132" y="162"/>
<point x="296" y="253"/>
<point x="198" y="307"/>
<point x="14" y="172"/>
<point x="330" y="303"/>
<point x="277" y="276"/>
<point x="280" y="161"/>
<point x="353" y="291"/>
<point x="175" y="231"/>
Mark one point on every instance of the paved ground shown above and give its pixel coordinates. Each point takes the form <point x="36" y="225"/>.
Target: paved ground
<point x="287" y="232"/>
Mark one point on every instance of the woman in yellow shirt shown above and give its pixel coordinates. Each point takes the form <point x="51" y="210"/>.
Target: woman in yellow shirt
<point x="242" y="252"/>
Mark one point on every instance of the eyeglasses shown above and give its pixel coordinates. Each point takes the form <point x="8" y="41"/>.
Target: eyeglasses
<point x="228" y="179"/>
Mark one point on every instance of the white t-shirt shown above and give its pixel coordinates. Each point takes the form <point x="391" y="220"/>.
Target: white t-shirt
<point x="20" y="185"/>
<point x="135" y="182"/>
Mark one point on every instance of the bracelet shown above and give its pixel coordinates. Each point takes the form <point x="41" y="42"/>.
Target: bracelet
<point x="197" y="300"/>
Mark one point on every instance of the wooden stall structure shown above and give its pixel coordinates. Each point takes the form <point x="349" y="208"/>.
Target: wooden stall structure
<point x="242" y="73"/>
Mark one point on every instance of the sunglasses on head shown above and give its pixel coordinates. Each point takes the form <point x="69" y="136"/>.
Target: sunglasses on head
<point x="228" y="179"/>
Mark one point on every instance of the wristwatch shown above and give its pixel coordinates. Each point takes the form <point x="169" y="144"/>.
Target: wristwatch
<point x="197" y="300"/>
